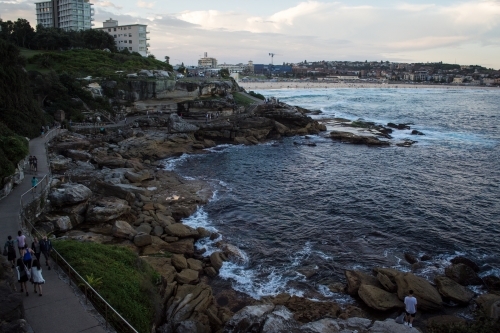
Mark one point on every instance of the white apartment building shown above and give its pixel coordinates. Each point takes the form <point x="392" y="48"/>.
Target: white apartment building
<point x="65" y="14"/>
<point x="132" y="37"/>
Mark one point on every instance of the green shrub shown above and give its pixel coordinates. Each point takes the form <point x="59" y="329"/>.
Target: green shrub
<point x="125" y="281"/>
<point x="243" y="100"/>
<point x="256" y="95"/>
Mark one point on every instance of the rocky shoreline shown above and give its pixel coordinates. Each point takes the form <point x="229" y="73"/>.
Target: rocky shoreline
<point x="112" y="188"/>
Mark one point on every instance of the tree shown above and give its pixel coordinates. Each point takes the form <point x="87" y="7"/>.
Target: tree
<point x="98" y="39"/>
<point x="151" y="56"/>
<point x="23" y="33"/>
<point x="167" y="60"/>
<point x="224" y="73"/>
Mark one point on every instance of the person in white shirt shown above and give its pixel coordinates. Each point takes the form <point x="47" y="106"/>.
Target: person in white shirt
<point x="411" y="308"/>
<point x="36" y="276"/>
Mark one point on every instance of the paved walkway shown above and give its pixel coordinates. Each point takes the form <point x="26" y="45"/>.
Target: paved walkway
<point x="60" y="309"/>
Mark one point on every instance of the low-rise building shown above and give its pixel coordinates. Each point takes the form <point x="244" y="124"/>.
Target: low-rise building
<point x="207" y="62"/>
<point x="133" y="37"/>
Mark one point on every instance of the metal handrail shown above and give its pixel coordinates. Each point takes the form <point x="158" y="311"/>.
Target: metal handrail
<point x="123" y="324"/>
<point x="72" y="273"/>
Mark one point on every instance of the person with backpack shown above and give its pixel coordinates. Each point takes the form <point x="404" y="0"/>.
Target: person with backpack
<point x="22" y="275"/>
<point x="11" y="251"/>
<point x="46" y="248"/>
<point x="36" y="276"/>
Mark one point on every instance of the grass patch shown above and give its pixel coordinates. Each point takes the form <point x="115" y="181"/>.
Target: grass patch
<point x="27" y="53"/>
<point x="126" y="282"/>
<point x="96" y="63"/>
<point x="242" y="99"/>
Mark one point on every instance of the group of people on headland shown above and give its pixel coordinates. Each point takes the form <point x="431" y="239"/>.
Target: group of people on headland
<point x="29" y="264"/>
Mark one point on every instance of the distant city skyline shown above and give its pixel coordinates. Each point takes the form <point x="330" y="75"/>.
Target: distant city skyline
<point x="464" y="32"/>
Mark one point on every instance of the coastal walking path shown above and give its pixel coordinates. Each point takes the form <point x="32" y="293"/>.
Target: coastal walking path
<point x="60" y="309"/>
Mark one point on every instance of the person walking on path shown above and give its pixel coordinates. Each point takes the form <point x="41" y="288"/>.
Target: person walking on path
<point x="11" y="251"/>
<point x="28" y="258"/>
<point x="36" y="276"/>
<point x="35" y="246"/>
<point x="42" y="131"/>
<point x="35" y="164"/>
<point x="46" y="248"/>
<point x="30" y="159"/>
<point x="411" y="309"/>
<point x="22" y="275"/>
<point x="34" y="183"/>
<point x="21" y="243"/>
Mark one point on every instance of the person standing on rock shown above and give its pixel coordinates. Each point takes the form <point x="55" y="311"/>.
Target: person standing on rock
<point x="46" y="248"/>
<point x="411" y="308"/>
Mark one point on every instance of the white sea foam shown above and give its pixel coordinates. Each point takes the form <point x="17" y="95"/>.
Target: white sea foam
<point x="170" y="163"/>
<point x="340" y="298"/>
<point x="255" y="283"/>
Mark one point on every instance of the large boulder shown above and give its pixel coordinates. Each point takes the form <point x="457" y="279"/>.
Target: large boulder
<point x="142" y="239"/>
<point x="379" y="299"/>
<point x="78" y="155"/>
<point x="452" y="290"/>
<point x="490" y="304"/>
<point x="463" y="274"/>
<point x="180" y="230"/>
<point x="386" y="283"/>
<point x="280" y="320"/>
<point x="135" y="177"/>
<point x="216" y="260"/>
<point x="492" y="283"/>
<point x="107" y="209"/>
<point x="69" y="194"/>
<point x="183" y="246"/>
<point x="326" y="325"/>
<point x="465" y="261"/>
<point x="195" y="264"/>
<point x="249" y="319"/>
<point x="122" y="229"/>
<point x="305" y="310"/>
<point x="390" y="326"/>
<point x="186" y="312"/>
<point x="187" y="276"/>
<point x="427" y="296"/>
<point x="356" y="278"/>
<point x="179" y="262"/>
<point x="357" y="139"/>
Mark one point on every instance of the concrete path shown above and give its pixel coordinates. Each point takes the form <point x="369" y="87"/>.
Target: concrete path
<point x="60" y="309"/>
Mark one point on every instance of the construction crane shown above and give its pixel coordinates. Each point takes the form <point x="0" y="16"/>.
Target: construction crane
<point x="272" y="57"/>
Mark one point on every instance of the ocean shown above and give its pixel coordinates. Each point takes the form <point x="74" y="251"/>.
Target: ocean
<point x="302" y="214"/>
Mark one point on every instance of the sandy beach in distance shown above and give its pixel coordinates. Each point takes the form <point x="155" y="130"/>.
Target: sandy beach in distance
<point x="266" y="85"/>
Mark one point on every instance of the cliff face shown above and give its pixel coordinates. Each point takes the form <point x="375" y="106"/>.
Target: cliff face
<point x="139" y="90"/>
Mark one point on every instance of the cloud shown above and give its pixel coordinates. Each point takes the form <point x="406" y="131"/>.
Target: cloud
<point x="106" y="4"/>
<point x="145" y="4"/>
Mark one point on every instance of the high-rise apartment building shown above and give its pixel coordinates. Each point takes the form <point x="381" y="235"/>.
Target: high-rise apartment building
<point x="132" y="37"/>
<point x="65" y="14"/>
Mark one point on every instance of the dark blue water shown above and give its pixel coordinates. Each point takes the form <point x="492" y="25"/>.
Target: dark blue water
<point x="336" y="206"/>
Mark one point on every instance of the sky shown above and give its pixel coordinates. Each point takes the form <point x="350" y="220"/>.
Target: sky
<point x="464" y="32"/>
